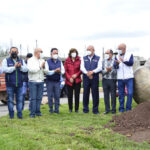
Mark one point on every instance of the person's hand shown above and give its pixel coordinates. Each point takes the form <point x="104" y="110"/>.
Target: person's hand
<point x="19" y="64"/>
<point x="74" y="76"/>
<point x="58" y="70"/>
<point x="91" y="77"/>
<point x="117" y="61"/>
<point x="71" y="80"/>
<point x="16" y="64"/>
<point x="109" y="69"/>
<point x="90" y="73"/>
<point x="43" y="65"/>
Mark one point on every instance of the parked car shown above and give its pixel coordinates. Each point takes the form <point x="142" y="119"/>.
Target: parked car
<point x="63" y="88"/>
<point x="3" y="92"/>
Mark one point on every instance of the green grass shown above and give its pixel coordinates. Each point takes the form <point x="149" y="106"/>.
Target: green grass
<point x="100" y="83"/>
<point x="63" y="132"/>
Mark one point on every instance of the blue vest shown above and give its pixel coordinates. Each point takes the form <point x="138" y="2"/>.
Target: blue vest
<point x="52" y="66"/>
<point x="13" y="79"/>
<point x="91" y="65"/>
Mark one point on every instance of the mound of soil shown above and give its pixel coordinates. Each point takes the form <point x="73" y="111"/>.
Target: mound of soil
<point x="135" y="124"/>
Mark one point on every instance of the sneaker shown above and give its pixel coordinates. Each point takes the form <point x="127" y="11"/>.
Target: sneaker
<point x="32" y="116"/>
<point x="106" y="112"/>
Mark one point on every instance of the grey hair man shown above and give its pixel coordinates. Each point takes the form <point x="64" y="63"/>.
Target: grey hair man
<point x="109" y="82"/>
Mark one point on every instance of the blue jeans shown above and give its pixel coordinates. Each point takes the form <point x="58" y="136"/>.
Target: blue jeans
<point x="11" y="91"/>
<point x="36" y="93"/>
<point x="121" y="87"/>
<point x="24" y="92"/>
<point x="53" y="90"/>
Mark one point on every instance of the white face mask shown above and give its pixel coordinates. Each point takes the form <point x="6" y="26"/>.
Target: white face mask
<point x="41" y="56"/>
<point x="88" y="53"/>
<point x="106" y="56"/>
<point x="120" y="52"/>
<point x="73" y="55"/>
<point x="55" y="56"/>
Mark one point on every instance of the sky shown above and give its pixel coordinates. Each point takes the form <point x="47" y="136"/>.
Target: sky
<point x="69" y="24"/>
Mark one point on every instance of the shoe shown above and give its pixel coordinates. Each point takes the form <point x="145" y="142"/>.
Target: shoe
<point x="51" y="111"/>
<point x="20" y="118"/>
<point x="113" y="112"/>
<point x="11" y="118"/>
<point x="32" y="116"/>
<point x="106" y="112"/>
<point x="57" y="112"/>
<point x="96" y="113"/>
<point x="85" y="112"/>
<point x="121" y="111"/>
<point x="76" y="111"/>
<point x="70" y="111"/>
<point x="39" y="115"/>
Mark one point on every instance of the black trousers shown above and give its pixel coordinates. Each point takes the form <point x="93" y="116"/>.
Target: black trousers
<point x="93" y="85"/>
<point x="76" y="88"/>
<point x="109" y="88"/>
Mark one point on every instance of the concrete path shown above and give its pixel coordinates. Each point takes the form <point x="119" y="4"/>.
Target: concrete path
<point x="4" y="108"/>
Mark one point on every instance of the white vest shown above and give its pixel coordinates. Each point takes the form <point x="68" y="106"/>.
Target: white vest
<point x="124" y="71"/>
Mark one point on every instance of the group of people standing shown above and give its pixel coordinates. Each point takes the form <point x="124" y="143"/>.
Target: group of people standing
<point x="31" y="73"/>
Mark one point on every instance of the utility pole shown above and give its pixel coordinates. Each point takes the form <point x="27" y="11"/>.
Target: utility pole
<point x="85" y="50"/>
<point x="103" y="53"/>
<point x="36" y="44"/>
<point x="20" y="51"/>
<point x="27" y="49"/>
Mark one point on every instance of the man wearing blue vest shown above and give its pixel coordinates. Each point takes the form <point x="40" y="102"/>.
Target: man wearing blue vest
<point x="13" y="68"/>
<point x="124" y="65"/>
<point x="91" y="66"/>
<point x="54" y="68"/>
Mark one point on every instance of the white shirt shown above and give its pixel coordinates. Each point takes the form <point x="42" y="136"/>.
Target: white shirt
<point x="125" y="72"/>
<point x="7" y="69"/>
<point x="51" y="72"/>
<point x="36" y="73"/>
<point x="98" y="69"/>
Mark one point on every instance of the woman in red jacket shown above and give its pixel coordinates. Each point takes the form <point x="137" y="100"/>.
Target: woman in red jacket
<point x="73" y="78"/>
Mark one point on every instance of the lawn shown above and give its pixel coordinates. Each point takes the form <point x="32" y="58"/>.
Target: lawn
<point x="63" y="132"/>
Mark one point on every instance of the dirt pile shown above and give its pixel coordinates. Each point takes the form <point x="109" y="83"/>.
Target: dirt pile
<point x="135" y="124"/>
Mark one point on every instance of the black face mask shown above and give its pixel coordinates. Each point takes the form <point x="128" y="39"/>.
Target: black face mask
<point x="14" y="55"/>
